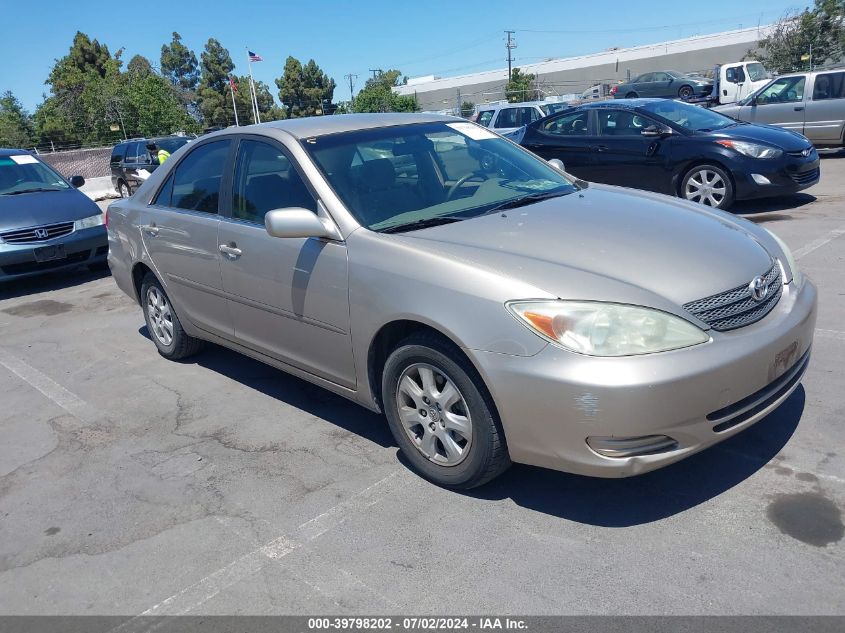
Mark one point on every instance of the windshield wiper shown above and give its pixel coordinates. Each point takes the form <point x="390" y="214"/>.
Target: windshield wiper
<point x="421" y="224"/>
<point x="526" y="200"/>
<point x="34" y="190"/>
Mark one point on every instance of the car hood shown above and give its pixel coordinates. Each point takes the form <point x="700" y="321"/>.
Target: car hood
<point x="608" y="243"/>
<point x="46" y="207"/>
<point x="785" y="139"/>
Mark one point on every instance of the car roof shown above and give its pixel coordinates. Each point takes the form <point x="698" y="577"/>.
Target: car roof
<point x="12" y="152"/>
<point x="626" y="104"/>
<point x="306" y="127"/>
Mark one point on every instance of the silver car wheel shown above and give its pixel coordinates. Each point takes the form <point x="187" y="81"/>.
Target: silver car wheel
<point x="434" y="414"/>
<point x="124" y="190"/>
<point x="160" y="316"/>
<point x="706" y="187"/>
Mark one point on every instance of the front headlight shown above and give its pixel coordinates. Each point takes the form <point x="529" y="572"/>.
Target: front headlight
<point x="89" y="222"/>
<point x="788" y="256"/>
<point x="607" y="329"/>
<point x="751" y="149"/>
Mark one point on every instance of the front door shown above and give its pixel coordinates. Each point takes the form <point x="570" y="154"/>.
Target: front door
<point x="289" y="297"/>
<point x="567" y="137"/>
<point x="180" y="233"/>
<point x="780" y="103"/>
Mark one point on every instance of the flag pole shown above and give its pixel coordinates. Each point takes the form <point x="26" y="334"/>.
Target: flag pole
<point x="234" y="107"/>
<point x="255" y="115"/>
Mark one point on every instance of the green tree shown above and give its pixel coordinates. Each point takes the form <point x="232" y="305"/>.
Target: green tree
<point x="149" y="105"/>
<point x="213" y="88"/>
<point x="15" y="123"/>
<point x="304" y="90"/>
<point x="521" y="87"/>
<point x="814" y="36"/>
<point x="467" y="108"/>
<point x="179" y="65"/>
<point x="52" y="127"/>
<point x="139" y="65"/>
<point x="266" y="106"/>
<point x="377" y="94"/>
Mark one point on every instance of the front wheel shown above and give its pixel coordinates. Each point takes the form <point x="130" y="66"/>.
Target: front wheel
<point x="162" y="323"/>
<point x="441" y="415"/>
<point x="685" y="92"/>
<point x="709" y="185"/>
<point x="631" y="95"/>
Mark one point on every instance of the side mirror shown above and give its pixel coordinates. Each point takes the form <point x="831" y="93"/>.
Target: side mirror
<point x="77" y="181"/>
<point x="654" y="130"/>
<point x="297" y="222"/>
<point x="557" y="164"/>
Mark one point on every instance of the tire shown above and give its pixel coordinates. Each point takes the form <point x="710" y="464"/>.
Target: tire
<point x="162" y="323"/>
<point x="709" y="185"/>
<point x="123" y="189"/>
<point x="631" y="95"/>
<point x="429" y="436"/>
<point x="686" y="92"/>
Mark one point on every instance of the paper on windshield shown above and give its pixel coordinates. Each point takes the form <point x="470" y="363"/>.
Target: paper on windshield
<point x="24" y="159"/>
<point x="475" y="132"/>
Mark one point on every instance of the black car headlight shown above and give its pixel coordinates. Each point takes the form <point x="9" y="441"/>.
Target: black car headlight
<point x="752" y="150"/>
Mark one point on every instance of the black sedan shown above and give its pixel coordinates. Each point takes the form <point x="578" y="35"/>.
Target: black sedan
<point x="674" y="148"/>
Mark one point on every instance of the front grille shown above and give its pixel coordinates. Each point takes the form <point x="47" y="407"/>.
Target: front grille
<point x="736" y="307"/>
<point x="47" y="232"/>
<point x="32" y="267"/>
<point x="748" y="407"/>
<point x="805" y="177"/>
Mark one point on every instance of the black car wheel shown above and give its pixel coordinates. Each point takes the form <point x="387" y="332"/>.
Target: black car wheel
<point x="631" y="95"/>
<point x="441" y="415"/>
<point x="686" y="92"/>
<point x="709" y="185"/>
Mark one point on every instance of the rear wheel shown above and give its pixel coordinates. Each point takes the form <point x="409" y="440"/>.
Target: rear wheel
<point x="163" y="324"/>
<point x="709" y="185"/>
<point x="631" y="95"/>
<point x="441" y="415"/>
<point x="123" y="188"/>
<point x="685" y="92"/>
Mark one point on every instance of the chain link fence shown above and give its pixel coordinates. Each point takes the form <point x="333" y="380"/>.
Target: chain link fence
<point x="88" y="163"/>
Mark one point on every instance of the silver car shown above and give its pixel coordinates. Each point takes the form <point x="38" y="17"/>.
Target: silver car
<point x="494" y="308"/>
<point x="811" y="103"/>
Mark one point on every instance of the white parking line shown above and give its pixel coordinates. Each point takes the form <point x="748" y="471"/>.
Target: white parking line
<point x="809" y="248"/>
<point x="835" y="334"/>
<point x="68" y="401"/>
<point x="205" y="589"/>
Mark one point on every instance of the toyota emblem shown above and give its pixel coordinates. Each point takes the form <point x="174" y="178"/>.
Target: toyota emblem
<point x="759" y="289"/>
<point x="41" y="234"/>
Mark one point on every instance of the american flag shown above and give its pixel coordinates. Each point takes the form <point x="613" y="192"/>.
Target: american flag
<point x="254" y="58"/>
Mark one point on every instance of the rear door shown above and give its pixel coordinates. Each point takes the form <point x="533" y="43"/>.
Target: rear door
<point x="288" y="297"/>
<point x="780" y="103"/>
<point x="179" y="231"/>
<point x="825" y="115"/>
<point x="569" y="137"/>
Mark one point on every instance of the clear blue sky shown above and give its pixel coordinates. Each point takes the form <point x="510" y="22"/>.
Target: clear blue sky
<point x="418" y="37"/>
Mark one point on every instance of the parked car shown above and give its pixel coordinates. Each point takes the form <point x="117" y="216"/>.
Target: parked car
<point x="669" y="84"/>
<point x="492" y="307"/>
<point x="507" y="117"/>
<point x="132" y="163"/>
<point x="811" y="103"/>
<point x="674" y="148"/>
<point x="45" y="223"/>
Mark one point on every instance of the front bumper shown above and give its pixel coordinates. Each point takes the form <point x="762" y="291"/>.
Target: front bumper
<point x="84" y="247"/>
<point x="552" y="402"/>
<point x="785" y="175"/>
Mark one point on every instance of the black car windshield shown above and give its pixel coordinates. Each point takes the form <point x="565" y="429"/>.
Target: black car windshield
<point x="415" y="175"/>
<point x="23" y="173"/>
<point x="171" y="144"/>
<point x="688" y="116"/>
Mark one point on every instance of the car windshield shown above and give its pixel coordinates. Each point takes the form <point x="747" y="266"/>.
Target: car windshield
<point x="24" y="173"/>
<point x="757" y="72"/>
<point x="171" y="144"/>
<point x="430" y="173"/>
<point x="688" y="116"/>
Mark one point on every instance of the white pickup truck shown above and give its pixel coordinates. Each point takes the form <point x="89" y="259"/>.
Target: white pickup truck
<point x="737" y="80"/>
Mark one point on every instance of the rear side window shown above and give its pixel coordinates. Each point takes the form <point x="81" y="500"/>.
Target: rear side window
<point x="118" y="153"/>
<point x="829" y="86"/>
<point x="514" y="117"/>
<point x="265" y="179"/>
<point x="197" y="179"/>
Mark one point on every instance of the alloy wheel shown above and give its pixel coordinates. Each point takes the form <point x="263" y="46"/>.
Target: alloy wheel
<point x="707" y="187"/>
<point x="124" y="190"/>
<point x="160" y="316"/>
<point x="434" y="414"/>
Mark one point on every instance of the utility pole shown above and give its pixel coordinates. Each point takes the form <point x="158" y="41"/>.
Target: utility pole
<point x="351" y="79"/>
<point x="510" y="46"/>
<point x="376" y="72"/>
<point x="458" y="112"/>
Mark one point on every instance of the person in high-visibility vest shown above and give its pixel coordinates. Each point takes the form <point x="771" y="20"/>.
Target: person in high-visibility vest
<point x="158" y="153"/>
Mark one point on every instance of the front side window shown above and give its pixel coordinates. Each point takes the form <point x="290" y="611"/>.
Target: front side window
<point x="645" y="78"/>
<point x="735" y="74"/>
<point x="484" y="117"/>
<point x="622" y="123"/>
<point x="829" y="86"/>
<point x="783" y="90"/>
<point x="265" y="179"/>
<point x="660" y="77"/>
<point x="572" y="124"/>
<point x="23" y="173"/>
<point x="197" y="178"/>
<point x="461" y="171"/>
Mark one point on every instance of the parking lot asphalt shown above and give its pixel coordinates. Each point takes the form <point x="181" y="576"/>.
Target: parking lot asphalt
<point x="133" y="485"/>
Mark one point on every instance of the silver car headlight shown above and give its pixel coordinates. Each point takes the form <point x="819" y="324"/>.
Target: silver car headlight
<point x="794" y="273"/>
<point x="89" y="222"/>
<point x="753" y="150"/>
<point x="607" y="329"/>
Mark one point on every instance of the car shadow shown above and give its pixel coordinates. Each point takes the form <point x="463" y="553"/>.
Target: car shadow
<point x="750" y="209"/>
<point x="292" y="391"/>
<point x="655" y="495"/>
<point x="50" y="281"/>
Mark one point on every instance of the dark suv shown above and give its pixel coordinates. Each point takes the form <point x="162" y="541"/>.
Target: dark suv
<point x="132" y="164"/>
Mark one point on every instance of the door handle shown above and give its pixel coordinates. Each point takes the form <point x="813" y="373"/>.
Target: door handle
<point x="232" y="252"/>
<point x="151" y="229"/>
<point x="798" y="108"/>
<point x="600" y="148"/>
